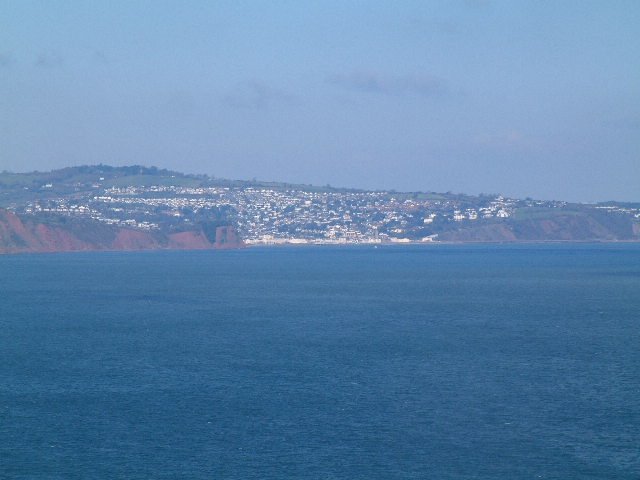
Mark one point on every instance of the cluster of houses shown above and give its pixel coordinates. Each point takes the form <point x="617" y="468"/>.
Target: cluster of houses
<point x="272" y="216"/>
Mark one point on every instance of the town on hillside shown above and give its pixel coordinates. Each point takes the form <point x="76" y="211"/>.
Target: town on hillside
<point x="275" y="213"/>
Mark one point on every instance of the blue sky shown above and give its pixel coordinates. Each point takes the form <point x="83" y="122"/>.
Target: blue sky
<point x="537" y="98"/>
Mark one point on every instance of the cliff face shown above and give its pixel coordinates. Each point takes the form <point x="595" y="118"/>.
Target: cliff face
<point x="16" y="236"/>
<point x="584" y="228"/>
<point x="19" y="235"/>
<point x="226" y="237"/>
<point x="63" y="234"/>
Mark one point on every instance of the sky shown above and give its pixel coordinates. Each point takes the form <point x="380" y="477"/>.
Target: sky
<point x="525" y="98"/>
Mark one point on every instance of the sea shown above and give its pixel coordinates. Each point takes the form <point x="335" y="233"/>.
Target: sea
<point x="398" y="362"/>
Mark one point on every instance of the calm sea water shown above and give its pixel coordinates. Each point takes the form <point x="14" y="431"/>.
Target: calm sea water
<point x="439" y="362"/>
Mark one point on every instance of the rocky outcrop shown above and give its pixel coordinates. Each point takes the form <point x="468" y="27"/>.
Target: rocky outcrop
<point x="18" y="235"/>
<point x="226" y="237"/>
<point x="127" y="239"/>
<point x="189" y="241"/>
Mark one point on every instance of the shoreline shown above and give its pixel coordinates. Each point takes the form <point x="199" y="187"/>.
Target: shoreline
<point x="338" y="245"/>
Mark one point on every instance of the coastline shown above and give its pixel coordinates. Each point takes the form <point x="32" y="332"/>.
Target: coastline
<point x="309" y="246"/>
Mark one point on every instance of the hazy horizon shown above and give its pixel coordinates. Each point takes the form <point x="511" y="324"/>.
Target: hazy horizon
<point x="526" y="99"/>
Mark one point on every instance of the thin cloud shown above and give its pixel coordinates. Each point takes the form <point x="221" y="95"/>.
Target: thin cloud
<point x="627" y="123"/>
<point x="423" y="85"/>
<point x="443" y="26"/>
<point x="447" y="27"/>
<point x="477" y="4"/>
<point x="100" y="57"/>
<point x="503" y="140"/>
<point x="257" y="95"/>
<point x="6" y="59"/>
<point x="49" y="60"/>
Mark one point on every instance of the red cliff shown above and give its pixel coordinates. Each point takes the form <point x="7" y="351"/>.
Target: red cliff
<point x="226" y="237"/>
<point x="18" y="235"/>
